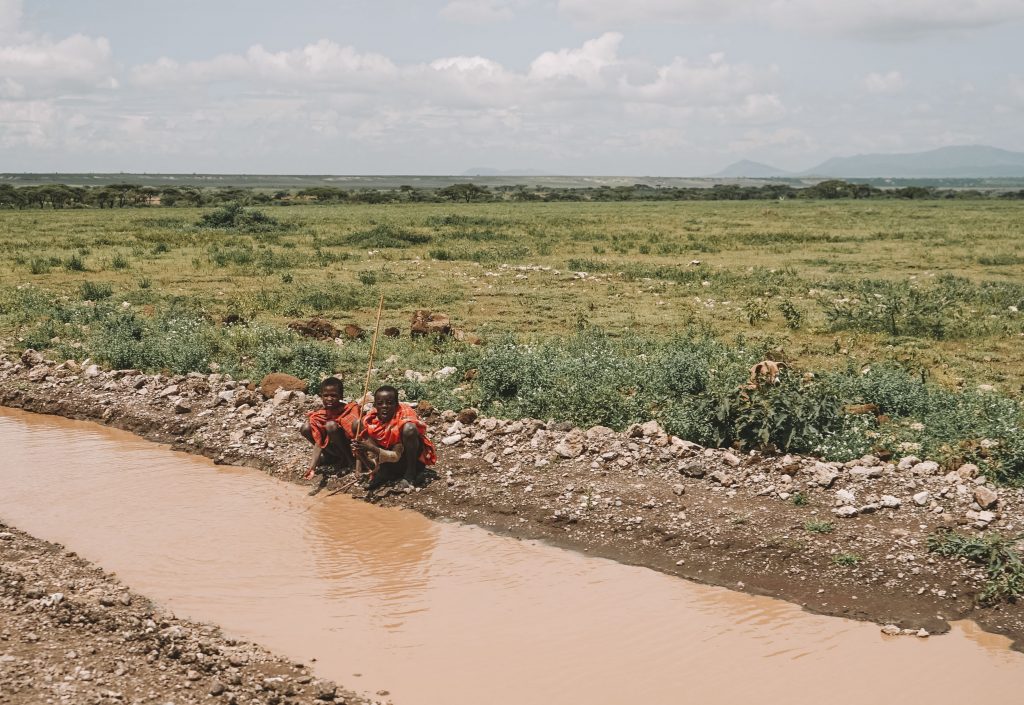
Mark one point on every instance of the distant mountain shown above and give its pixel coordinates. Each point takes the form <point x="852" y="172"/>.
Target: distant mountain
<point x="750" y="170"/>
<point x="967" y="161"/>
<point x="487" y="171"/>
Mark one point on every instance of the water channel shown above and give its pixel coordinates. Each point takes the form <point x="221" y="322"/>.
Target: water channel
<point x="440" y="613"/>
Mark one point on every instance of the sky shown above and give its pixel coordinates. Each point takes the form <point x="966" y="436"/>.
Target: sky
<point x="602" y="87"/>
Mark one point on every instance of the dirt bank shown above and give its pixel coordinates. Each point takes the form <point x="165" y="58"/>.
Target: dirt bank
<point x="847" y="540"/>
<point x="70" y="633"/>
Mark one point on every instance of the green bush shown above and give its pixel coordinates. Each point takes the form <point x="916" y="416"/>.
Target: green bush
<point x="95" y="291"/>
<point x="386" y="235"/>
<point x="234" y="217"/>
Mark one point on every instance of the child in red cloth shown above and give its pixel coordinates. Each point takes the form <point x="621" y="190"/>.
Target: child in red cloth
<point x="393" y="439"/>
<point x="331" y="429"/>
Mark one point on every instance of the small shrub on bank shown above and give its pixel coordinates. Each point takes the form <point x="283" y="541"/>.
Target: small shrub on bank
<point x="992" y="551"/>
<point x="386" y="236"/>
<point x="95" y="291"/>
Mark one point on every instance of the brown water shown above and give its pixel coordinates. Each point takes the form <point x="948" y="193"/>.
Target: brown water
<point x="438" y="613"/>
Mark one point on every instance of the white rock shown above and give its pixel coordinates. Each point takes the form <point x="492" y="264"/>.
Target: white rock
<point x="445" y="372"/>
<point x="452" y="439"/>
<point x="845" y="511"/>
<point x="846" y="496"/>
<point x="890" y="502"/>
<point x="908" y="462"/>
<point x="864" y="473"/>
<point x="731" y="459"/>
<point x="921" y="498"/>
<point x="927" y="467"/>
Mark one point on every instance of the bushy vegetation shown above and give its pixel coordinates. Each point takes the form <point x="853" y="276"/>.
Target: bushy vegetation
<point x="234" y="216"/>
<point x="996" y="553"/>
<point x="876" y="298"/>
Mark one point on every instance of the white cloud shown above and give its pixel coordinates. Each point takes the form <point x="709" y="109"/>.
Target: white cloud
<point x="478" y="11"/>
<point x="586" y="64"/>
<point x="35" y="66"/>
<point x="880" y="18"/>
<point x="890" y="82"/>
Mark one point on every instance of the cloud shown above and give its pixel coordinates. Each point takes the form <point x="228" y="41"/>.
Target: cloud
<point x="34" y="66"/>
<point x="587" y="64"/>
<point x="883" y="19"/>
<point x="478" y="11"/>
<point x="891" y="82"/>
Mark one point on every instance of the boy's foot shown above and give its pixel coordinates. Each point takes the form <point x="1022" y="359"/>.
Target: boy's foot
<point x="321" y="483"/>
<point x="404" y="486"/>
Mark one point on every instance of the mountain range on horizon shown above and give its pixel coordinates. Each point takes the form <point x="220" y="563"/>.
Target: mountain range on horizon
<point x="961" y="161"/>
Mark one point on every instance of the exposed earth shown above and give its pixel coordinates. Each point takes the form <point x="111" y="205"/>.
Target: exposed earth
<point x="839" y="539"/>
<point x="71" y="633"/>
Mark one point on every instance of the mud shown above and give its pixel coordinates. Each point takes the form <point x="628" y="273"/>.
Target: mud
<point x="427" y="612"/>
<point x="638" y="498"/>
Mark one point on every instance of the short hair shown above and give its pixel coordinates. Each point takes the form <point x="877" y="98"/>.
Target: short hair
<point x="333" y="382"/>
<point x="386" y="388"/>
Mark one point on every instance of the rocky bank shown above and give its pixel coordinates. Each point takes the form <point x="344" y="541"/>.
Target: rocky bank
<point x="846" y="539"/>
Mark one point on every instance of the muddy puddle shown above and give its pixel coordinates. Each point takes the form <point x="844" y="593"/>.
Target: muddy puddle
<point x="384" y="599"/>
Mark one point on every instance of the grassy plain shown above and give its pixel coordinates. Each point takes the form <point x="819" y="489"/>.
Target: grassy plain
<point x="777" y="272"/>
<point x="597" y="313"/>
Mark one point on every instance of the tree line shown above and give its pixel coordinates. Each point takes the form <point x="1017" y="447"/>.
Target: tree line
<point x="126" y="195"/>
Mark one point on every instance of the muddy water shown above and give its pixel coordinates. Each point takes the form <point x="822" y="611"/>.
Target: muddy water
<point x="436" y="613"/>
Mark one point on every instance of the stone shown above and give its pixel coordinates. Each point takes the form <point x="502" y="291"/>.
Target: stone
<point x="921" y="498"/>
<point x="325" y="690"/>
<point x="568" y="450"/>
<point x="650" y="429"/>
<point x="452" y="439"/>
<point x="280" y="380"/>
<point x="891" y="630"/>
<point x="92" y="371"/>
<point x="927" y="467"/>
<point x="180" y="407"/>
<point x="890" y="502"/>
<point x="445" y="372"/>
<point x="721" y="477"/>
<point x="985" y="497"/>
<point x="908" y="462"/>
<point x="968" y="471"/>
<point x="845" y="512"/>
<point x="825" y="476"/>
<point x="31" y="358"/>
<point x="167" y="391"/>
<point x="217" y="688"/>
<point x="692" y="468"/>
<point x="845" y="496"/>
<point x="731" y="459"/>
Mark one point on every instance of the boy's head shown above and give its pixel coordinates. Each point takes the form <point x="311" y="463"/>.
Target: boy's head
<point x="385" y="401"/>
<point x="331" y="391"/>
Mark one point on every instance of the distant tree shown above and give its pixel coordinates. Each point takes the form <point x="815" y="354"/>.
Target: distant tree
<point x="11" y="197"/>
<point x="464" y="192"/>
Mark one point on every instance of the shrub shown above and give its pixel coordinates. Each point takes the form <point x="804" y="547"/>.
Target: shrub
<point x="994" y="552"/>
<point x="387" y="235"/>
<point x="234" y="217"/>
<point x="74" y="263"/>
<point x="95" y="291"/>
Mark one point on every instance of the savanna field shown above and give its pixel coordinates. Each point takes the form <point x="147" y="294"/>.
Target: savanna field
<point x="900" y="322"/>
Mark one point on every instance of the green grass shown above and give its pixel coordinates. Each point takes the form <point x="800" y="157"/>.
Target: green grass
<point x="816" y="526"/>
<point x="909" y="305"/>
<point x="996" y="553"/>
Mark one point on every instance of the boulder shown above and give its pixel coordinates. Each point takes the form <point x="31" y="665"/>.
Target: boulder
<point x="280" y="380"/>
<point x="31" y="358"/>
<point x="985" y="497"/>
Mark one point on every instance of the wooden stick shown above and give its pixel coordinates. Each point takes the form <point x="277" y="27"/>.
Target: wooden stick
<point x="366" y="386"/>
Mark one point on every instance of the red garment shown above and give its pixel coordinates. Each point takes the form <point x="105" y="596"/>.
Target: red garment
<point x="344" y="417"/>
<point x="388" y="435"/>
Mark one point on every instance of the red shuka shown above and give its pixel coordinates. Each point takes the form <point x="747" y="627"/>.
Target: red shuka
<point x="344" y="417"/>
<point x="389" y="434"/>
